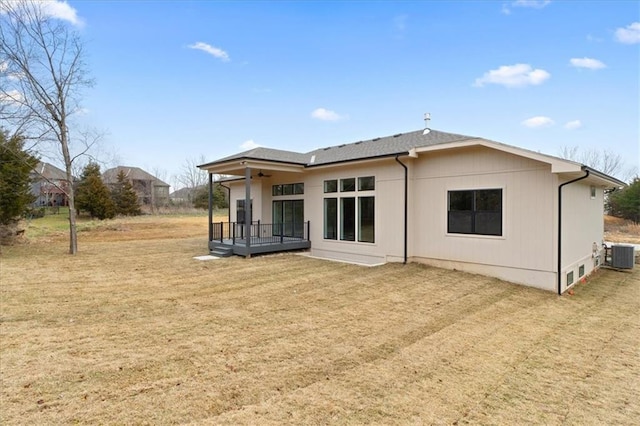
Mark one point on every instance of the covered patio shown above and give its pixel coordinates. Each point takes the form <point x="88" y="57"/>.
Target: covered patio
<point x="237" y="238"/>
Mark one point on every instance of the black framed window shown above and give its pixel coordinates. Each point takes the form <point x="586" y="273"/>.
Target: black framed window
<point x="366" y="219"/>
<point x="348" y="219"/>
<point x="367" y="183"/>
<point x="240" y="211"/>
<point x="475" y="212"/>
<point x="287" y="189"/>
<point x="330" y="186"/>
<point x="348" y="185"/>
<point x="331" y="218"/>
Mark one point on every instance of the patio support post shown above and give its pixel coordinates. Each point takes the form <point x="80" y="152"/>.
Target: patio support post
<point x="247" y="209"/>
<point x="210" y="206"/>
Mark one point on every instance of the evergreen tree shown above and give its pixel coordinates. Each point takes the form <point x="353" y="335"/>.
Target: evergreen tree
<point x="15" y="182"/>
<point x="201" y="197"/>
<point x="124" y="197"/>
<point x="93" y="196"/>
<point x="625" y="202"/>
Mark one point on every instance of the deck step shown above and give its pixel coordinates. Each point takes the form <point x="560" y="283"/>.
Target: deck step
<point x="221" y="252"/>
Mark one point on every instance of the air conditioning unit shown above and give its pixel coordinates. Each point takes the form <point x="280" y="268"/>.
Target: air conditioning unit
<point x="622" y="256"/>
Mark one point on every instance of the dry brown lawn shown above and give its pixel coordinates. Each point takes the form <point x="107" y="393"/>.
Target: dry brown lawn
<point x="133" y="330"/>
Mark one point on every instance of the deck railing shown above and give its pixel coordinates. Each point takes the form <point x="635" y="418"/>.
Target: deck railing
<point x="261" y="233"/>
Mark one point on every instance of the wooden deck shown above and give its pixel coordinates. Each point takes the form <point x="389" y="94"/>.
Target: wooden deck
<point x="228" y="239"/>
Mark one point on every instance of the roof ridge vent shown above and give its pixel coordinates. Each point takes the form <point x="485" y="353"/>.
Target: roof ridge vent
<point x="375" y="139"/>
<point x="397" y="134"/>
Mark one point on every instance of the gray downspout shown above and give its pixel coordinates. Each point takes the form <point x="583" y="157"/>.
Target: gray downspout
<point x="560" y="228"/>
<point x="406" y="196"/>
<point x="210" y="207"/>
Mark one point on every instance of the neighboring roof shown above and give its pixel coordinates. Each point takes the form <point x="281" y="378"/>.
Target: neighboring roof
<point x="185" y="192"/>
<point x="49" y="171"/>
<point x="132" y="173"/>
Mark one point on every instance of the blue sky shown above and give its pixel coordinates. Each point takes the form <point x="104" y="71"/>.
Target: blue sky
<point x="180" y="79"/>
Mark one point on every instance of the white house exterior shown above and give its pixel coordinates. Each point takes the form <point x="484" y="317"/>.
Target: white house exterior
<point x="442" y="199"/>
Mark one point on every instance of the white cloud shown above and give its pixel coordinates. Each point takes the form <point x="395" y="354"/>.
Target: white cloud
<point x="215" y="51"/>
<point x="572" y="125"/>
<point x="326" y="115"/>
<point x="62" y="10"/>
<point x="536" y="4"/>
<point x="50" y="8"/>
<point x="590" y="63"/>
<point x="539" y="121"/>
<point x="11" y="97"/>
<point x="250" y="144"/>
<point x="630" y="34"/>
<point x="517" y="75"/>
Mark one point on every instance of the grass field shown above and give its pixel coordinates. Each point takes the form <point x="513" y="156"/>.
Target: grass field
<point x="133" y="330"/>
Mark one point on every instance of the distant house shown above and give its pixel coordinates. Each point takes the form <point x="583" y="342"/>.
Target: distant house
<point x="150" y="189"/>
<point x="49" y="185"/>
<point x="185" y="195"/>
<point x="443" y="199"/>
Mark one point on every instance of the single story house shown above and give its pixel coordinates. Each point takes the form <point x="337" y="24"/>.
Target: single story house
<point x="443" y="199"/>
<point x="149" y="189"/>
<point x="49" y="185"/>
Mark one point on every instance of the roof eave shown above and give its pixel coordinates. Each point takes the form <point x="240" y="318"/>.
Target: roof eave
<point x="237" y="164"/>
<point x="357" y="160"/>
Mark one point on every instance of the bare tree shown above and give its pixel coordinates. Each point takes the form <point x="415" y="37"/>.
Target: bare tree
<point x="191" y="176"/>
<point x="42" y="74"/>
<point x="605" y="161"/>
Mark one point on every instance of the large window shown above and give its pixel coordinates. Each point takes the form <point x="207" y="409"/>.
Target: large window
<point x="331" y="218"/>
<point x="475" y="212"/>
<point x="350" y="217"/>
<point x="366" y="219"/>
<point x="287" y="189"/>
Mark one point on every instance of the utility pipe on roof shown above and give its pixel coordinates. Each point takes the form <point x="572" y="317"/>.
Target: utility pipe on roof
<point x="406" y="193"/>
<point x="560" y="228"/>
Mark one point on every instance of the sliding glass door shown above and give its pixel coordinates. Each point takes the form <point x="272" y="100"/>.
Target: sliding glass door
<point x="288" y="218"/>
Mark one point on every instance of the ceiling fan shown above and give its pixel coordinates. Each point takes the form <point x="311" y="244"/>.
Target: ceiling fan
<point x="260" y="174"/>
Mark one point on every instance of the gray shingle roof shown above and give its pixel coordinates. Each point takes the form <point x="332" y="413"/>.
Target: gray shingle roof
<point x="268" y="154"/>
<point x="381" y="147"/>
<point x="378" y="147"/>
<point x="49" y="171"/>
<point x="133" y="173"/>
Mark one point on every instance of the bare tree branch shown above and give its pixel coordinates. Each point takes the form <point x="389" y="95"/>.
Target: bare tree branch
<point x="605" y="161"/>
<point x="42" y="74"/>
